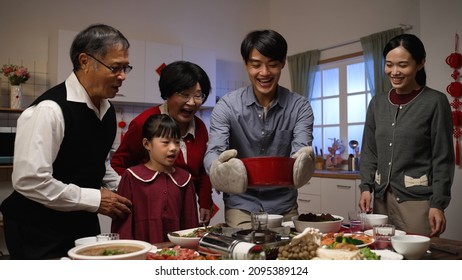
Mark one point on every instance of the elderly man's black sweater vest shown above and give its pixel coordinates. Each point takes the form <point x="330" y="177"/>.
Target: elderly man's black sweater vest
<point x="81" y="160"/>
<point x="87" y="141"/>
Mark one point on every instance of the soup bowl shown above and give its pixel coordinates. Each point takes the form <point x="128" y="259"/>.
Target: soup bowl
<point x="274" y="220"/>
<point x="323" y="226"/>
<point x="374" y="219"/>
<point x="412" y="247"/>
<point x="123" y="249"/>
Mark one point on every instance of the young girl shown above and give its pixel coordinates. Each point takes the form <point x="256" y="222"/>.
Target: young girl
<point x="163" y="196"/>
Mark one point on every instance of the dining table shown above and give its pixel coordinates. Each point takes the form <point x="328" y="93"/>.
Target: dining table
<point x="440" y="249"/>
<point x="444" y="249"/>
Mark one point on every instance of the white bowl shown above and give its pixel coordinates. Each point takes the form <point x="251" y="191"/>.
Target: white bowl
<point x="187" y="242"/>
<point x="370" y="232"/>
<point x="324" y="227"/>
<point x="274" y="220"/>
<point x="412" y="247"/>
<point x="374" y="219"/>
<point x="85" y="240"/>
<point x="141" y="250"/>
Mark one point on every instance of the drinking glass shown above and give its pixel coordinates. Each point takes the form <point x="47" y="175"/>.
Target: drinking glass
<point x="107" y="236"/>
<point x="259" y="220"/>
<point x="356" y="218"/>
<point x="382" y="236"/>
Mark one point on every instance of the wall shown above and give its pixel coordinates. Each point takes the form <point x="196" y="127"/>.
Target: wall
<point x="319" y="24"/>
<point x="440" y="20"/>
<point x="220" y="25"/>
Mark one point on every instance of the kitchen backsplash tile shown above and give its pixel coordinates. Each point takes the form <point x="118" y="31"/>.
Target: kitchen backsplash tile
<point x="35" y="86"/>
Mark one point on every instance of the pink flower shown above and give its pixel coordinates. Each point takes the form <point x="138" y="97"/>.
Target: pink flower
<point x="15" y="74"/>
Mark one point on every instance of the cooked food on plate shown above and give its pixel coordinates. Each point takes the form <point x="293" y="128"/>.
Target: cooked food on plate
<point x="109" y="250"/>
<point x="302" y="246"/>
<point x="331" y="239"/>
<point x="308" y="245"/>
<point x="310" y="217"/>
<point x="177" y="253"/>
<point x="342" y="254"/>
<point x="199" y="232"/>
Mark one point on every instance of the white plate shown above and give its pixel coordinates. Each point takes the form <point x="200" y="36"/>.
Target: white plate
<point x="288" y="224"/>
<point x="388" y="255"/>
<point x="397" y="232"/>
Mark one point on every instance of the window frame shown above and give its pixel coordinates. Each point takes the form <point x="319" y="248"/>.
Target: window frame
<point x="340" y="62"/>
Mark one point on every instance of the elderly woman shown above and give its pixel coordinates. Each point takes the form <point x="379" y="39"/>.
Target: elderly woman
<point x="185" y="86"/>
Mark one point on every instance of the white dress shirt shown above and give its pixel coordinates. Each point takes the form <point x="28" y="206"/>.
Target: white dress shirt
<point x="39" y="134"/>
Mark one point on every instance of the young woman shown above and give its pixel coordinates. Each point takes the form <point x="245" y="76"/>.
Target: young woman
<point x="407" y="158"/>
<point x="163" y="196"/>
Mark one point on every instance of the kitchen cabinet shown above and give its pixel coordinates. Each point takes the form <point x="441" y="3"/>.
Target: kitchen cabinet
<point x="309" y="197"/>
<point x="147" y="58"/>
<point x="63" y="59"/>
<point x="207" y="61"/>
<point x="338" y="196"/>
<point x="329" y="195"/>
<point x="8" y="122"/>
<point x="157" y="55"/>
<point x="133" y="88"/>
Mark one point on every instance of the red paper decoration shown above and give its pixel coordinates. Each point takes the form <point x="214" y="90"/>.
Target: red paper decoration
<point x="454" y="60"/>
<point x="122" y="124"/>
<point x="158" y="69"/>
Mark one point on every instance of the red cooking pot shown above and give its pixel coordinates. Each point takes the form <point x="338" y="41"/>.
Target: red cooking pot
<point x="269" y="171"/>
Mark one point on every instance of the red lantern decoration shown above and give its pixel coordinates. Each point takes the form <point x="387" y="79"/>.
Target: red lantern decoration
<point x="122" y="124"/>
<point x="454" y="60"/>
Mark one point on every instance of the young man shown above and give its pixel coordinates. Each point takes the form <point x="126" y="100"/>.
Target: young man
<point x="263" y="119"/>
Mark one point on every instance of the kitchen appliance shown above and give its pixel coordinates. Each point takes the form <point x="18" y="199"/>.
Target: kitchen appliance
<point x="7" y="136"/>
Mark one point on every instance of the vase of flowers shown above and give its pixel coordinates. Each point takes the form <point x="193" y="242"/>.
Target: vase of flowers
<point x="16" y="75"/>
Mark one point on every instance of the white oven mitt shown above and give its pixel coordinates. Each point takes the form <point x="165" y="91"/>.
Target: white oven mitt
<point x="228" y="174"/>
<point x="303" y="166"/>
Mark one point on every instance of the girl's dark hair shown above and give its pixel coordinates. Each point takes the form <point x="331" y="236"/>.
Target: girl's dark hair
<point x="160" y="125"/>
<point x="415" y="47"/>
<point x="96" y="40"/>
<point x="267" y="42"/>
<point x="181" y="75"/>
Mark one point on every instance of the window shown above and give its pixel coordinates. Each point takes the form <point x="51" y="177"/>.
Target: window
<point x="340" y="99"/>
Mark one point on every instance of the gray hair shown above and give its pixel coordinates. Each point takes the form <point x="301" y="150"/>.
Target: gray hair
<point x="96" y="40"/>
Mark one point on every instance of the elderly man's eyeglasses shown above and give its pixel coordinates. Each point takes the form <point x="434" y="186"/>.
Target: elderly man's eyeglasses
<point x="197" y="97"/>
<point x="114" y="70"/>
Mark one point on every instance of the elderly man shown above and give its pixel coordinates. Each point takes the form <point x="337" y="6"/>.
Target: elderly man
<point x="60" y="177"/>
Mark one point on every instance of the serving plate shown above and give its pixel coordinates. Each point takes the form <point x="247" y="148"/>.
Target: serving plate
<point x="178" y="238"/>
<point x="174" y="253"/>
<point x="388" y="255"/>
<point x="119" y="246"/>
<point x="288" y="224"/>
<point x="371" y="240"/>
<point x="370" y="232"/>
